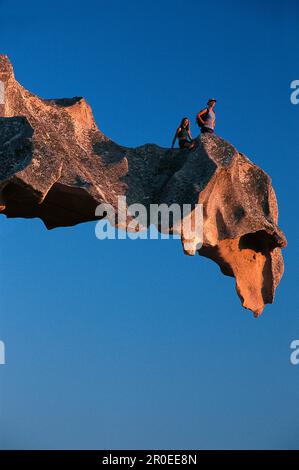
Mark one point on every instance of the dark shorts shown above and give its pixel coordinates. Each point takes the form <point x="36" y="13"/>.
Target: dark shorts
<point x="184" y="144"/>
<point x="207" y="130"/>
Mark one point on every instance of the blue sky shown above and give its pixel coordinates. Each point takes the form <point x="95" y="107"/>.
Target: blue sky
<point x="131" y="344"/>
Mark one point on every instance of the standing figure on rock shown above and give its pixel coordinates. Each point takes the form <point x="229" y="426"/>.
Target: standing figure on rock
<point x="183" y="134"/>
<point x="206" y="118"/>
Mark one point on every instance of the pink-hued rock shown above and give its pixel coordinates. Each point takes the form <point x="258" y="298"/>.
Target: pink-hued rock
<point x="57" y="165"/>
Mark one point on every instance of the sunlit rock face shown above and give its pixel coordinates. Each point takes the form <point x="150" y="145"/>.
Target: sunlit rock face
<point x="57" y="165"/>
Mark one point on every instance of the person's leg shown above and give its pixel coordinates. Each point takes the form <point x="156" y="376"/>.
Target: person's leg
<point x="207" y="130"/>
<point x="193" y="144"/>
<point x="189" y="145"/>
<point x="184" y="144"/>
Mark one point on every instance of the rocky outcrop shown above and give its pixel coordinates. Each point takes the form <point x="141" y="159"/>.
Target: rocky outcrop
<point x="58" y="166"/>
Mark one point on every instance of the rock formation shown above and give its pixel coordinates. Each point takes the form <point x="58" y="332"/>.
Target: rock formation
<point x="58" y="166"/>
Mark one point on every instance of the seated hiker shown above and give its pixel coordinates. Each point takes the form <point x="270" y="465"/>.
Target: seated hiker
<point x="206" y="118"/>
<point x="183" y="135"/>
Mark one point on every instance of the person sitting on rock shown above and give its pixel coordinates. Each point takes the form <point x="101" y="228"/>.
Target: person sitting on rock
<point x="183" y="135"/>
<point x="206" y="118"/>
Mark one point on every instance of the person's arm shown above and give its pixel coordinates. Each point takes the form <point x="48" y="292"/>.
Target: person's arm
<point x="189" y="135"/>
<point x="175" y="136"/>
<point x="201" y="113"/>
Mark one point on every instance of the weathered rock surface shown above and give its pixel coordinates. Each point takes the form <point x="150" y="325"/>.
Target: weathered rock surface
<point x="57" y="165"/>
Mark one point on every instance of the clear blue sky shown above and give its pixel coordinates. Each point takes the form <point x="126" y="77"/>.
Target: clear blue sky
<point x="131" y="344"/>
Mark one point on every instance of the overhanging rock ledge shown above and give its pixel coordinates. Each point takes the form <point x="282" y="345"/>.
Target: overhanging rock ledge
<point x="57" y="165"/>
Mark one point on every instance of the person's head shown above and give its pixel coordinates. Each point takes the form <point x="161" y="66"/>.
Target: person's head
<point x="211" y="103"/>
<point x="185" y="123"/>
